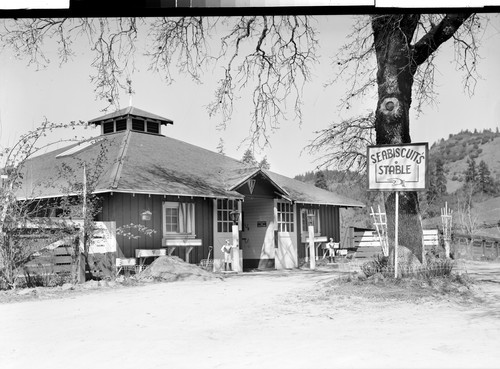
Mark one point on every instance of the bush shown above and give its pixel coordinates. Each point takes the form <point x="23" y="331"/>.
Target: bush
<point x="43" y="277"/>
<point x="379" y="264"/>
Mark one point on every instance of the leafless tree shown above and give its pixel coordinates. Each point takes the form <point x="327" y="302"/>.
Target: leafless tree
<point x="392" y="58"/>
<point x="22" y="213"/>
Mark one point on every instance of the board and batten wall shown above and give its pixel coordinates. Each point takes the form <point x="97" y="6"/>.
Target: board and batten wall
<point x="126" y="208"/>
<point x="329" y="218"/>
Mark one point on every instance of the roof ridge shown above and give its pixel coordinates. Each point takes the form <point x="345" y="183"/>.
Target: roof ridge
<point x="116" y="171"/>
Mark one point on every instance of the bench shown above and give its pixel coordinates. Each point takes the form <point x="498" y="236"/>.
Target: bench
<point x="188" y="243"/>
<point x="125" y="264"/>
<point x="143" y="254"/>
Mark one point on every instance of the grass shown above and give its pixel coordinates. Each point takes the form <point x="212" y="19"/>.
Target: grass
<point x="455" y="287"/>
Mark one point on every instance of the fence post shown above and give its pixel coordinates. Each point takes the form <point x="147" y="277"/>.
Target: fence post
<point x="483" y="248"/>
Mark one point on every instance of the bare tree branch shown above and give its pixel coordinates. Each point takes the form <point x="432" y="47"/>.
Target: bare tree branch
<point x="277" y="66"/>
<point x="344" y="144"/>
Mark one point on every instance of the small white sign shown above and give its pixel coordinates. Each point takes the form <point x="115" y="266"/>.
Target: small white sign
<point x="397" y="167"/>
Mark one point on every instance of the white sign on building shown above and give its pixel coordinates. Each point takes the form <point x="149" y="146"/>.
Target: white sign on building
<point x="398" y="167"/>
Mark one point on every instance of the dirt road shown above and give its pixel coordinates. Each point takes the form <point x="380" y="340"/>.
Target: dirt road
<point x="249" y="321"/>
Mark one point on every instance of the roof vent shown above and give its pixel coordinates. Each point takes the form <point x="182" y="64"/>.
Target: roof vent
<point x="131" y="119"/>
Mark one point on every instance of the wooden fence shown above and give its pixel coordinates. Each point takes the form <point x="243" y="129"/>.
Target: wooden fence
<point x="366" y="243"/>
<point x="58" y="257"/>
<point x="475" y="248"/>
<point x="50" y="261"/>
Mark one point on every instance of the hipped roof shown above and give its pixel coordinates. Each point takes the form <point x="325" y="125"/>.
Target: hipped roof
<point x="136" y="162"/>
<point x="132" y="111"/>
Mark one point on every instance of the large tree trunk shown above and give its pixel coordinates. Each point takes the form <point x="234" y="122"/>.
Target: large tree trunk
<point x="392" y="37"/>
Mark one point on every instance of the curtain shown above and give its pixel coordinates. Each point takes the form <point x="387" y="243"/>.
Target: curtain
<point x="186" y="217"/>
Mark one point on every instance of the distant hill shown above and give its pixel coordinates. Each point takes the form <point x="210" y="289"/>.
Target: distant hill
<point x="486" y="215"/>
<point x="455" y="151"/>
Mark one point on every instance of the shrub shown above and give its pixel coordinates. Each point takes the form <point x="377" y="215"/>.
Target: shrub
<point x="379" y="264"/>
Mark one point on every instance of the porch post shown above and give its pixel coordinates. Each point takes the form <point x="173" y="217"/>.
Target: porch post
<point x="312" y="251"/>
<point x="236" y="249"/>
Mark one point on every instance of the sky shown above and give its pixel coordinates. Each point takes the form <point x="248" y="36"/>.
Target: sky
<point x="64" y="93"/>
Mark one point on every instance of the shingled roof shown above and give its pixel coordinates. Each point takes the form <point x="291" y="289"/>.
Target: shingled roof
<point x="132" y="111"/>
<point x="136" y="162"/>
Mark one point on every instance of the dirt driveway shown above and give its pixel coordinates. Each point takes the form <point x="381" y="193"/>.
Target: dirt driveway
<point x="266" y="320"/>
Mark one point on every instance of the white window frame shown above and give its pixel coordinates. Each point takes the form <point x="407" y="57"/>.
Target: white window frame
<point x="175" y="205"/>
<point x="317" y="221"/>
<point x="220" y="212"/>
<point x="284" y="225"/>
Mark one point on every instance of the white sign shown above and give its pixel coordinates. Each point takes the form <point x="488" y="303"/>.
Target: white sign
<point x="103" y="238"/>
<point x="397" y="167"/>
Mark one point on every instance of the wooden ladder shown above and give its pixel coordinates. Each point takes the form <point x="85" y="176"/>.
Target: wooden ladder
<point x="380" y="221"/>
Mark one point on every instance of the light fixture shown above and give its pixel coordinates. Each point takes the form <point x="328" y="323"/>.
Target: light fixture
<point x="146" y="215"/>
<point x="310" y="217"/>
<point x="235" y="216"/>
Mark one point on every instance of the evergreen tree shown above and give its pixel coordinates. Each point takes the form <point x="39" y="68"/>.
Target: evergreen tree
<point x="440" y="178"/>
<point x="320" y="181"/>
<point x="431" y="192"/>
<point x="264" y="164"/>
<point x="484" y="179"/>
<point x="249" y="158"/>
<point x="220" y="147"/>
<point x="471" y="171"/>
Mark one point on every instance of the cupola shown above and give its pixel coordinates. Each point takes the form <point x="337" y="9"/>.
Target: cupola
<point x="131" y="119"/>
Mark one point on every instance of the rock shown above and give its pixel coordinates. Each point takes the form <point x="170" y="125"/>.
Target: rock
<point x="120" y="279"/>
<point x="90" y="285"/>
<point x="362" y="277"/>
<point x="26" y="291"/>
<point x="67" y="287"/>
<point x="463" y="289"/>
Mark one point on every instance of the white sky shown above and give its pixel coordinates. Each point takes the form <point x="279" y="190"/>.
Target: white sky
<point x="64" y="93"/>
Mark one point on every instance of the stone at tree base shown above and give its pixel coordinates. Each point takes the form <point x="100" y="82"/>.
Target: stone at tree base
<point x="407" y="261"/>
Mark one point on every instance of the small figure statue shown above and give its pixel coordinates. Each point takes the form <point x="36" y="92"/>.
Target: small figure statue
<point x="226" y="251"/>
<point x="331" y="247"/>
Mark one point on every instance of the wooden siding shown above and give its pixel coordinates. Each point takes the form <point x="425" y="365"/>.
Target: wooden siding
<point x="329" y="218"/>
<point x="127" y="208"/>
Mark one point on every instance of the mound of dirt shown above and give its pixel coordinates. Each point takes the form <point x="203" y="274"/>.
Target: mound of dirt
<point x="172" y="268"/>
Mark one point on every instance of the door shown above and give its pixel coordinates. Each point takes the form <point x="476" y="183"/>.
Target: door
<point x="257" y="238"/>
<point x="223" y="227"/>
<point x="286" y="253"/>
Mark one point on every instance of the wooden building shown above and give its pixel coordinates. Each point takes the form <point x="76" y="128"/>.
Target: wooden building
<point x="187" y="193"/>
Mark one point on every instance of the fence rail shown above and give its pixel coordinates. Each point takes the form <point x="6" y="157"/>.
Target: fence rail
<point x="475" y="248"/>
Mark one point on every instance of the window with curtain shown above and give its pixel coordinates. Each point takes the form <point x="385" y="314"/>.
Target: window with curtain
<point x="303" y="220"/>
<point x="178" y="219"/>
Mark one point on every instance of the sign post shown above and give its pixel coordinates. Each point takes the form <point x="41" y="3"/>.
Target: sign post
<point x="396" y="234"/>
<point x="397" y="168"/>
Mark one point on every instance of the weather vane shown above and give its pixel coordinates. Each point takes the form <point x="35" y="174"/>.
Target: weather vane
<point x="130" y="91"/>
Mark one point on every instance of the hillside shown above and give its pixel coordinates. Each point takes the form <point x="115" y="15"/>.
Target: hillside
<point x="455" y="151"/>
<point x="486" y="216"/>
